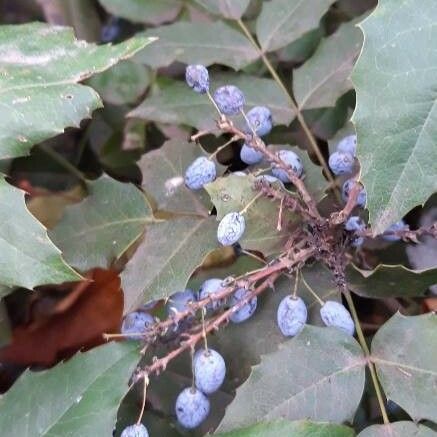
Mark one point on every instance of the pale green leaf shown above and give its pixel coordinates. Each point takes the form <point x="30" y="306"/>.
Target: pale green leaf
<point x="231" y="9"/>
<point x="40" y="66"/>
<point x="178" y="104"/>
<point x="166" y="258"/>
<point x="396" y="114"/>
<point x="398" y="429"/>
<point x="123" y="83"/>
<point x="317" y="375"/>
<point x="27" y="257"/>
<point x="96" y="231"/>
<point x="284" y="21"/>
<point x="404" y="351"/>
<point x="325" y="76"/>
<point x="283" y="428"/>
<point x="192" y="43"/>
<point x="77" y="398"/>
<point x="390" y="281"/>
<point x="144" y="11"/>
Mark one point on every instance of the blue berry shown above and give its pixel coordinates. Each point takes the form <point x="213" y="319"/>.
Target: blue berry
<point x="211" y="286"/>
<point x="292" y="315"/>
<point x="239" y="173"/>
<point x="336" y="315"/>
<point x="290" y="159"/>
<point x="269" y="179"/>
<point x="389" y="234"/>
<point x="229" y="99"/>
<point x="209" y="370"/>
<point x="192" y="407"/>
<point x="197" y="77"/>
<point x="199" y="173"/>
<point x="249" y="155"/>
<point x="247" y="310"/>
<point x="111" y="31"/>
<point x="348" y="145"/>
<point x="341" y="163"/>
<point x="353" y="224"/>
<point x="347" y="186"/>
<point x="136" y="322"/>
<point x="137" y="430"/>
<point x="260" y="120"/>
<point x="179" y="302"/>
<point x="231" y="228"/>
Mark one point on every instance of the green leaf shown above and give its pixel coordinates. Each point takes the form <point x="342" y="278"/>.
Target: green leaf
<point x="231" y="9"/>
<point x="76" y="398"/>
<point x="398" y="429"/>
<point x="232" y="194"/>
<point x="163" y="173"/>
<point x="325" y="76"/>
<point x="404" y="351"/>
<point x="300" y="428"/>
<point x="396" y="110"/>
<point x="27" y="257"/>
<point x="39" y="68"/>
<point x="210" y="43"/>
<point x="166" y="258"/>
<point x="124" y="83"/>
<point x="176" y="103"/>
<point x="98" y="230"/>
<point x="144" y="11"/>
<point x="317" y="375"/>
<point x="284" y="21"/>
<point x="390" y="281"/>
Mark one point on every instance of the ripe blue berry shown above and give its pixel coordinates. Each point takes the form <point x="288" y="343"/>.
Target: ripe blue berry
<point x="341" y="163"/>
<point x="199" y="173"/>
<point x="247" y="310"/>
<point x="137" y="430"/>
<point x="335" y="314"/>
<point x="231" y="228"/>
<point x="209" y="370"/>
<point x="348" y="145"/>
<point x="260" y="120"/>
<point x="179" y="302"/>
<point x="197" y="77"/>
<point x="192" y="407"/>
<point x="136" y="322"/>
<point x="269" y="179"/>
<point x="112" y="30"/>
<point x="291" y="160"/>
<point x="353" y="224"/>
<point x="211" y="286"/>
<point x="292" y="315"/>
<point x="249" y="155"/>
<point x="347" y="186"/>
<point x="229" y="99"/>
<point x="389" y="234"/>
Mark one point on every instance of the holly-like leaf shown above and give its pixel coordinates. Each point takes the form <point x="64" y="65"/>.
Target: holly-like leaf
<point x="317" y="375"/>
<point x="76" y="398"/>
<point x="212" y="43"/>
<point x="166" y="258"/>
<point x="404" y="352"/>
<point x="396" y="114"/>
<point x="124" y="83"/>
<point x="163" y="173"/>
<point x="177" y="103"/>
<point x="235" y="193"/>
<point x="231" y="9"/>
<point x="96" y="231"/>
<point x="27" y="257"/>
<point x="40" y="66"/>
<point x="325" y="76"/>
<point x="284" y="428"/>
<point x="284" y="21"/>
<point x="144" y="11"/>
<point x="398" y="429"/>
<point x="390" y="281"/>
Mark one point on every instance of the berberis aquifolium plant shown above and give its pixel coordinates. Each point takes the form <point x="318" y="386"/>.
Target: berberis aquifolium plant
<point x="242" y="221"/>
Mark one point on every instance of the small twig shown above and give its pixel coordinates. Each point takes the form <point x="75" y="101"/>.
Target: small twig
<point x="312" y="291"/>
<point x="340" y="217"/>
<point x="143" y="404"/>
